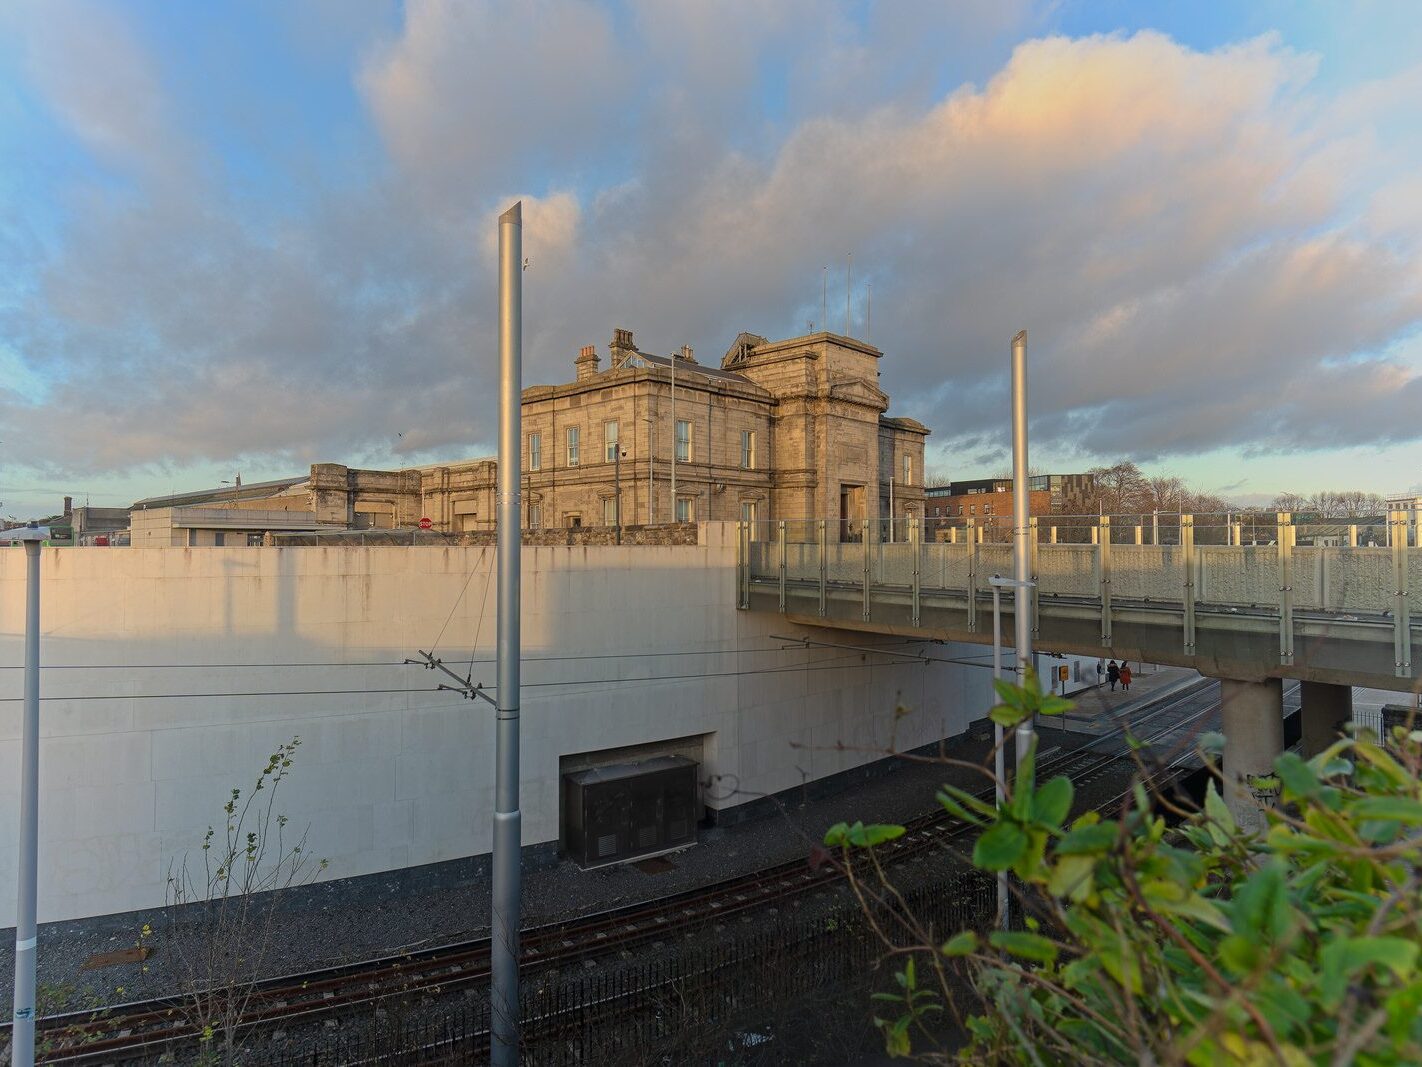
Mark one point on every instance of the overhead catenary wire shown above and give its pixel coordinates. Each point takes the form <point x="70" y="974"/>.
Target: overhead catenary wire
<point x="833" y="664"/>
<point x="403" y="662"/>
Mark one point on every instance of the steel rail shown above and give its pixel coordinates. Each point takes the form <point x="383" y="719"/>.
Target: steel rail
<point x="145" y="1025"/>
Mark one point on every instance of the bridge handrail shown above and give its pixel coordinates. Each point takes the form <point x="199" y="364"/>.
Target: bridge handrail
<point x="1171" y="569"/>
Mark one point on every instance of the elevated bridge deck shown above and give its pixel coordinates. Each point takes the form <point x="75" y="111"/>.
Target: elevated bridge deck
<point x="1339" y="614"/>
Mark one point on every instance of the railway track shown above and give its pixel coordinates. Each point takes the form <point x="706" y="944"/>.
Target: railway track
<point x="143" y="1029"/>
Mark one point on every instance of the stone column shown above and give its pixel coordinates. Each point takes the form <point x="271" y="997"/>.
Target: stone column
<point x="1325" y="708"/>
<point x="1252" y="714"/>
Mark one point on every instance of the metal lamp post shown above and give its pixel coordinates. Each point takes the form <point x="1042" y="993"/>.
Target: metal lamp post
<point x="22" y="1044"/>
<point x="506" y="885"/>
<point x="1021" y="532"/>
<point x="998" y="584"/>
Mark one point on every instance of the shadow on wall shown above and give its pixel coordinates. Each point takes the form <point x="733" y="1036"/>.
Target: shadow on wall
<point x="170" y="675"/>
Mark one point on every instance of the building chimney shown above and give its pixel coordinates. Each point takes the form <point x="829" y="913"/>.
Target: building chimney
<point x="686" y="354"/>
<point x="69" y="507"/>
<point x="586" y="363"/>
<point x="622" y="348"/>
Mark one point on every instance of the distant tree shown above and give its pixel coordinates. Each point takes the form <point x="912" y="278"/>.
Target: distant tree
<point x="1165" y="493"/>
<point x="1120" y="489"/>
<point x="937" y="475"/>
<point x="1331" y="503"/>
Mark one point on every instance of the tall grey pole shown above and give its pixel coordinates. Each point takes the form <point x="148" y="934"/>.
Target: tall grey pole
<point x="999" y="759"/>
<point x="1022" y="552"/>
<point x="504" y="922"/>
<point x="674" y="437"/>
<point x="848" y="279"/>
<point x="22" y="1045"/>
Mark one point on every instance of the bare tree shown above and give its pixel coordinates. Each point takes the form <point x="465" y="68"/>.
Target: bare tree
<point x="1119" y="489"/>
<point x="221" y="915"/>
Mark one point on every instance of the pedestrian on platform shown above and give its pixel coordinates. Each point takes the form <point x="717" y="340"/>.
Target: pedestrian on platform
<point x="1125" y="678"/>
<point x="1113" y="674"/>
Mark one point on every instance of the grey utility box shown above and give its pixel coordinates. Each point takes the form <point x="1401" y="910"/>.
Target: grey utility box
<point x="628" y="810"/>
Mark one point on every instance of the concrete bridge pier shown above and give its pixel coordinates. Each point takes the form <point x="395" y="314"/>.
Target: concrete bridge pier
<point x="1252" y="715"/>
<point x="1324" y="710"/>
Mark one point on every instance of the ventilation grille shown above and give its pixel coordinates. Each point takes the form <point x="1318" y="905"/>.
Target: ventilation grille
<point x="647" y="836"/>
<point x="606" y="846"/>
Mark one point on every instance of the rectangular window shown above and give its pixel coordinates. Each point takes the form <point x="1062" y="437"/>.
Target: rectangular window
<point x="574" y="434"/>
<point x="535" y="516"/>
<point x="683" y="441"/>
<point x="609" y="511"/>
<point x="572" y="519"/>
<point x="684" y="510"/>
<point x="219" y="539"/>
<point x="908" y="470"/>
<point x="748" y="450"/>
<point x="747" y="511"/>
<point x="609" y="440"/>
<point x="535" y="451"/>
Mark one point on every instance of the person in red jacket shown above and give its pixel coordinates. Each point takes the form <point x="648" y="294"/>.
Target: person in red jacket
<point x="1125" y="678"/>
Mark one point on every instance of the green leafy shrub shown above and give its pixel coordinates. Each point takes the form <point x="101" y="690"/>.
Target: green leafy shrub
<point x="1202" y="944"/>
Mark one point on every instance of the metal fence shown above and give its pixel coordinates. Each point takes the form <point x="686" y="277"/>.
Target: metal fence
<point x="677" y="1000"/>
<point x="1271" y="568"/>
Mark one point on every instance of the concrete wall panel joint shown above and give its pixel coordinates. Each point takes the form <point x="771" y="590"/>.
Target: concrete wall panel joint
<point x="1285" y="543"/>
<point x="1401" y="614"/>
<point x="1103" y="575"/>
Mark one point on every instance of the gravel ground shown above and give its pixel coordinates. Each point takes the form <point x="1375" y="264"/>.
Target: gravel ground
<point x="346" y="921"/>
<point x="350" y="920"/>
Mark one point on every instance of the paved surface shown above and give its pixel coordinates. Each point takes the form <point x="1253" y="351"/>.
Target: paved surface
<point x="1099" y="709"/>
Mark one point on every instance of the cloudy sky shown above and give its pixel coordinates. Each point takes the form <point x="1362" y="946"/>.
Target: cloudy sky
<point x="252" y="236"/>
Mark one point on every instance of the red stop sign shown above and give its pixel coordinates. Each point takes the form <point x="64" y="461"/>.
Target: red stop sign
<point x="426" y="523"/>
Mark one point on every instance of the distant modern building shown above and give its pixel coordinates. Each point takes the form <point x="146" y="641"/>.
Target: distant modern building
<point x="989" y="506"/>
<point x="225" y="495"/>
<point x="216" y="527"/>
<point x="1404" y="502"/>
<point x="93" y="526"/>
<point x="1048" y="494"/>
<point x="1070" y="493"/>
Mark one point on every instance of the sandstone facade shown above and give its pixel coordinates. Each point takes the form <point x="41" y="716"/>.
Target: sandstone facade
<point x="793" y="430"/>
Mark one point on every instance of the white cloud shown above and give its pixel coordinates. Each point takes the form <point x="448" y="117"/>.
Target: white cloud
<point x="473" y="96"/>
<point x="100" y="80"/>
<point x="1202" y="251"/>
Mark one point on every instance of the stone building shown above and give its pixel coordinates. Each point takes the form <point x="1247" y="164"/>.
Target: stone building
<point x="792" y="429"/>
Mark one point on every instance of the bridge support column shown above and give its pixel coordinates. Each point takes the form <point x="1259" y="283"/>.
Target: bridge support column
<point x="1252" y="715"/>
<point x="1325" y="708"/>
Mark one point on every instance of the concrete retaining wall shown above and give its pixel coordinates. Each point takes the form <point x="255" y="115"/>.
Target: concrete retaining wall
<point x="171" y="673"/>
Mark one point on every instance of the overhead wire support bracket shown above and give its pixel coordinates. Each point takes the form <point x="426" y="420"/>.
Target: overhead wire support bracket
<point x="467" y="686"/>
<point x="806" y="642"/>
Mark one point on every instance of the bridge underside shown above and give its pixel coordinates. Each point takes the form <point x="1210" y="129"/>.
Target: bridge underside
<point x="1229" y="642"/>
